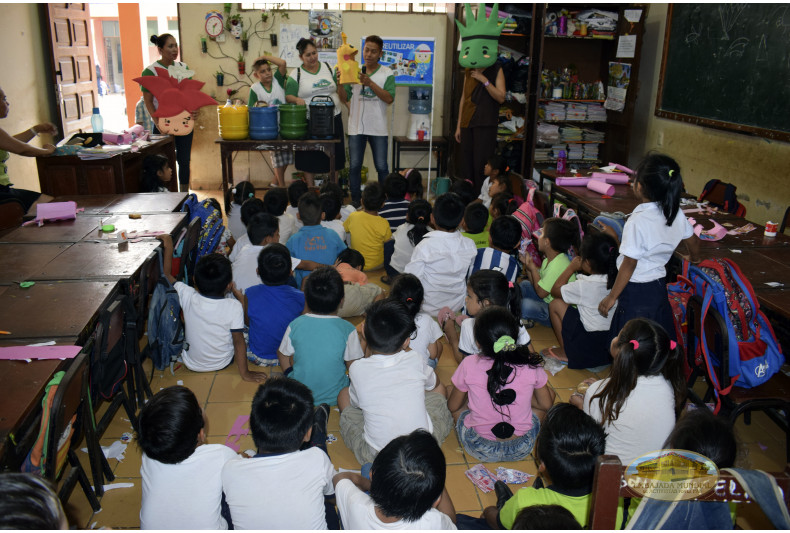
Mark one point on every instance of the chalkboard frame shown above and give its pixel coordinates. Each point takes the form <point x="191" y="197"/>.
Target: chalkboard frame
<point x="704" y="121"/>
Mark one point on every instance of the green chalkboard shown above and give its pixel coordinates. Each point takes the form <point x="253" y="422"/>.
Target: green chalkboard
<point x="728" y="66"/>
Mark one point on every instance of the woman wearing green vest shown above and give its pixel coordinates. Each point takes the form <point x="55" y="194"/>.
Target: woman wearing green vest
<point x="17" y="144"/>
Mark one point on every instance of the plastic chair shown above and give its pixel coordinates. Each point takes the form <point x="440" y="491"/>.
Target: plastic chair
<point x="784" y="220"/>
<point x="609" y="486"/>
<point x="189" y="251"/>
<point x="772" y="397"/>
<point x="110" y="362"/>
<point x="71" y="399"/>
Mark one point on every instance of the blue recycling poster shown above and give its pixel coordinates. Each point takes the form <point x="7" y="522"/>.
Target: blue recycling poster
<point x="411" y="59"/>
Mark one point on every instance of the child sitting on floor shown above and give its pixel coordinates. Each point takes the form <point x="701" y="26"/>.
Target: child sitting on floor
<point x="275" y="202"/>
<point x="495" y="170"/>
<point x="367" y="230"/>
<point x="443" y="257"/>
<point x="414" y="189"/>
<point x="504" y="236"/>
<point x="495" y="389"/>
<point x="583" y="333"/>
<point x="396" y="206"/>
<point x="330" y="207"/>
<point x="393" y="391"/>
<point x="426" y="339"/>
<point x="406" y="488"/>
<point x="314" y="346"/>
<point x="358" y="294"/>
<point x="474" y="224"/>
<point x="285" y="485"/>
<point x="248" y="209"/>
<point x="181" y="473"/>
<point x="313" y="241"/>
<point x="406" y="237"/>
<point x="234" y="199"/>
<point x="271" y="305"/>
<point x="214" y="325"/>
<point x="556" y="238"/>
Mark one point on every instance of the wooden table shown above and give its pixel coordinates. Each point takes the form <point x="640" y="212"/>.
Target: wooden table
<point x="227" y="148"/>
<point x="19" y="261"/>
<point x="170" y="223"/>
<point x="54" y="232"/>
<point x="93" y="260"/>
<point x="47" y="311"/>
<point x="70" y="175"/>
<point x="147" y="202"/>
<point x="92" y="204"/>
<point x="438" y="144"/>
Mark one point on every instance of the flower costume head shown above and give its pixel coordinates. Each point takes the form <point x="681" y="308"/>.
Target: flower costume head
<point x="178" y="97"/>
<point x="479" y="37"/>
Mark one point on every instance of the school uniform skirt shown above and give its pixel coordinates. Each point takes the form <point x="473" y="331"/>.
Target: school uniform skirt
<point x="318" y="162"/>
<point x="644" y="300"/>
<point x="585" y="349"/>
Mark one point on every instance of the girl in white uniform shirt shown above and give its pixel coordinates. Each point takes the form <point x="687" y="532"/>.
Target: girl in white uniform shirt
<point x="650" y="236"/>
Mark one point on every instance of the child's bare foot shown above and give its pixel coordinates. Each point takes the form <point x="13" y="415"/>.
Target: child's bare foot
<point x="555" y="352"/>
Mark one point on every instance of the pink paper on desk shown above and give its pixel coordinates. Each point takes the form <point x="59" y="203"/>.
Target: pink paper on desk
<point x="39" y="352"/>
<point x="616" y="179"/>
<point x="572" y="182"/>
<point x="622" y="168"/>
<point x="601" y="187"/>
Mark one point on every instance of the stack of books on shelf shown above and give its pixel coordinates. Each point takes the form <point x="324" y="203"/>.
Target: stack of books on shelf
<point x="594" y="136"/>
<point x="576" y="151"/>
<point x="576" y="111"/>
<point x="554" y="111"/>
<point x="555" y="150"/>
<point x="571" y="134"/>
<point x="596" y="112"/>
<point x="543" y="154"/>
<point x="590" y="152"/>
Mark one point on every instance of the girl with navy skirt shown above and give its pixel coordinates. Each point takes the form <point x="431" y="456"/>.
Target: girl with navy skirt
<point x="650" y="236"/>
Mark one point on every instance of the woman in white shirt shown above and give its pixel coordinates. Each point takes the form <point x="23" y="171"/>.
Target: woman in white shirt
<point x="314" y="78"/>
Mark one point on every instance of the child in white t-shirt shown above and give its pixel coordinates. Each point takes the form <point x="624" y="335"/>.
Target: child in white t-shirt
<point x="406" y="490"/>
<point x="407" y="236"/>
<point x="285" y="485"/>
<point x="249" y="209"/>
<point x="234" y="199"/>
<point x="181" y="474"/>
<point x="425" y="340"/>
<point x="583" y="333"/>
<point x="275" y="203"/>
<point x="392" y="391"/>
<point x="214" y="324"/>
<point x="332" y="220"/>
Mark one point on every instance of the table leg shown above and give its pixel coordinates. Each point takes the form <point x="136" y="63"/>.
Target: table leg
<point x="396" y="156"/>
<point x="332" y="173"/>
<point x="224" y="162"/>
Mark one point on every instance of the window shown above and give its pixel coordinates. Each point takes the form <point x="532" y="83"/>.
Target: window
<point x="388" y="7"/>
<point x="152" y="27"/>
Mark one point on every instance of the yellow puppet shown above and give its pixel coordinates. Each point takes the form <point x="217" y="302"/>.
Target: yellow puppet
<point x="346" y="64"/>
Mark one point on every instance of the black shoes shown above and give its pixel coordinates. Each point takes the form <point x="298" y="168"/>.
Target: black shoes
<point x="503" y="494"/>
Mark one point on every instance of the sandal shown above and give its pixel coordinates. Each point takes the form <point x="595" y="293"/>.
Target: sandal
<point x="445" y="314"/>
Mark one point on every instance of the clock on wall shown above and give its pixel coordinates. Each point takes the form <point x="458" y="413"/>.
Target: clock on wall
<point x="214" y="24"/>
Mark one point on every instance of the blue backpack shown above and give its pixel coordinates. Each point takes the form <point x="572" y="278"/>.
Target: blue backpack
<point x="754" y="353"/>
<point x="211" y="228"/>
<point x="165" y="327"/>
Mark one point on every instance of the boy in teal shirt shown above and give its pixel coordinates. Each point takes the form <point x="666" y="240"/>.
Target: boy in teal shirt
<point x="555" y="239"/>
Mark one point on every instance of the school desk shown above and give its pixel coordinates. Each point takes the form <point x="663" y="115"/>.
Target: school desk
<point x="52" y="232"/>
<point x="23" y="386"/>
<point x="50" y="310"/>
<point x="147" y="202"/>
<point x="18" y="261"/>
<point x="227" y="148"/>
<point x="91" y="204"/>
<point x="98" y="260"/>
<point x="756" y="265"/>
<point x="148" y="223"/>
<point x="438" y="144"/>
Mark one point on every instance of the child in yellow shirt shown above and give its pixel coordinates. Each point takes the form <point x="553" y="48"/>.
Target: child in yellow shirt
<point x="367" y="229"/>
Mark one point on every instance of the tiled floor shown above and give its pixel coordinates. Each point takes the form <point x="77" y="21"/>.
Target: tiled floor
<point x="224" y="397"/>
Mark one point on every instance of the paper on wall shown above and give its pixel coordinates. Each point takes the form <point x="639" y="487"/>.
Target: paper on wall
<point x="626" y="46"/>
<point x="632" y="15"/>
<point x="289" y="36"/>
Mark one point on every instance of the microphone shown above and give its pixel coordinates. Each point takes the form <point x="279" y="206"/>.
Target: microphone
<point x="364" y="68"/>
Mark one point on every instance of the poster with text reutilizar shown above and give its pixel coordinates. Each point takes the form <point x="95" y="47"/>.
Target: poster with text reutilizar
<point x="411" y="59"/>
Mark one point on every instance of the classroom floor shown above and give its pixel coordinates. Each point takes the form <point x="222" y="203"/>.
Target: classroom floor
<point x="224" y="397"/>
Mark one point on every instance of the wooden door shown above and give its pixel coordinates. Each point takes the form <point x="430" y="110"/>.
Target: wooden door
<point x="73" y="65"/>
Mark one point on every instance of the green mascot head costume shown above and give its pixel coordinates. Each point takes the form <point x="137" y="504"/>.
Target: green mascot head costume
<point x="479" y="37"/>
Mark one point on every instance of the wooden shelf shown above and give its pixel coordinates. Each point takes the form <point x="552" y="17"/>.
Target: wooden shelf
<point x="580" y="38"/>
<point x="572" y="100"/>
<point x="573" y="121"/>
<point x="570" y="142"/>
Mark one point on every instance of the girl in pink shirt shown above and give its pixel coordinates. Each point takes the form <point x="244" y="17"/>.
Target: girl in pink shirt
<point x="493" y="391"/>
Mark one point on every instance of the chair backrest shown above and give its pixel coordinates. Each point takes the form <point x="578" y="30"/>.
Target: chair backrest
<point x="541" y="201"/>
<point x="108" y="364"/>
<point x="609" y="485"/>
<point x="189" y="250"/>
<point x="11" y="213"/>
<point x="69" y="400"/>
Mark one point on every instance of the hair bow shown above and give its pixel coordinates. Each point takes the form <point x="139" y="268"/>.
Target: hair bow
<point x="505" y="343"/>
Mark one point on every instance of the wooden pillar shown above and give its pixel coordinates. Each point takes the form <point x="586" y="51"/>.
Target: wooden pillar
<point x="131" y="50"/>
